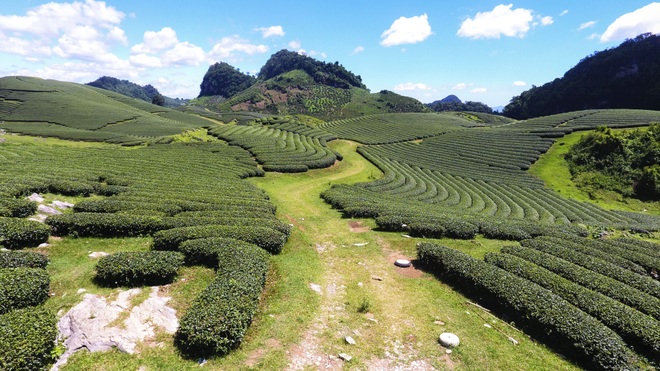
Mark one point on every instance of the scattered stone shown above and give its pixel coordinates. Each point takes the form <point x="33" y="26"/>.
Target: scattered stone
<point x="377" y="278"/>
<point x="80" y="291"/>
<point x="449" y="340"/>
<point x="403" y="263"/>
<point x="42" y="245"/>
<point x="315" y="287"/>
<point x="39" y="218"/>
<point x="487" y="325"/>
<point x="439" y="323"/>
<point x="361" y="244"/>
<point x="514" y="341"/>
<point x="345" y="357"/>
<point x="48" y="210"/>
<point x="98" y="254"/>
<point x="350" y="340"/>
<point x="62" y="205"/>
<point x="35" y="197"/>
<point x="406" y="236"/>
<point x="448" y="351"/>
<point x="356" y="332"/>
<point x="360" y="284"/>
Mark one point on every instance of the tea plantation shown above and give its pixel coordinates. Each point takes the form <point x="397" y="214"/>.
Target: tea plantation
<point x="445" y="176"/>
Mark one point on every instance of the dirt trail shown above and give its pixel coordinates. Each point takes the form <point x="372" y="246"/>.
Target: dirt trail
<point x="360" y="289"/>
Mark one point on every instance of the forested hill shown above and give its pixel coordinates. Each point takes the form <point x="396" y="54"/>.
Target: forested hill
<point x="330" y="74"/>
<point x="627" y="76"/>
<point x="146" y="93"/>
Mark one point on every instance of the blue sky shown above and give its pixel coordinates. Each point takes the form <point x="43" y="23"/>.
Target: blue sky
<point x="487" y="51"/>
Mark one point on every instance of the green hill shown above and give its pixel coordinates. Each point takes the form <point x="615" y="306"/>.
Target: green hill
<point x="133" y="90"/>
<point x="291" y="83"/>
<point x="627" y="76"/>
<point x="66" y="110"/>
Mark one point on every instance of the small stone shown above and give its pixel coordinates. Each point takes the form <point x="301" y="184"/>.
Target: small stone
<point x="448" y="351"/>
<point x="80" y="291"/>
<point x="361" y="244"/>
<point x="315" y="287"/>
<point x="345" y="357"/>
<point x="449" y="340"/>
<point x="514" y="341"/>
<point x="377" y="278"/>
<point x="439" y="323"/>
<point x="406" y="236"/>
<point x="403" y="263"/>
<point x="487" y="325"/>
<point x="45" y="244"/>
<point x="360" y="284"/>
<point x="98" y="254"/>
<point x="350" y="340"/>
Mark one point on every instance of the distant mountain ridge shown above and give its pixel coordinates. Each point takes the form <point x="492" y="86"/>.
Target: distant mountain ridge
<point x="453" y="103"/>
<point x="293" y="83"/>
<point x="133" y="90"/>
<point x="627" y="76"/>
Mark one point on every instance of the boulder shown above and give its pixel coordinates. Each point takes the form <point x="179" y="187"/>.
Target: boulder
<point x="449" y="340"/>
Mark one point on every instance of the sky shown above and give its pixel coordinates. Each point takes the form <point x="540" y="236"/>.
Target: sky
<point x="484" y="51"/>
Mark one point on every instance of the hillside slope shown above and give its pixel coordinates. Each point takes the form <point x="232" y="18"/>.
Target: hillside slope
<point x="627" y="76"/>
<point x="291" y="83"/>
<point x="66" y="110"/>
<point x="133" y="90"/>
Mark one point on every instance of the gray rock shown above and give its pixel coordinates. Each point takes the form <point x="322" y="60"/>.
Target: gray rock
<point x="350" y="340"/>
<point x="449" y="340"/>
<point x="48" y="210"/>
<point x="62" y="205"/>
<point x="403" y="263"/>
<point x="345" y="357"/>
<point x="35" y="197"/>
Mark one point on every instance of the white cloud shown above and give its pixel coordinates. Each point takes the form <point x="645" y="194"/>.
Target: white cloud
<point x="145" y="60"/>
<point x="407" y="31"/>
<point x="271" y="31"/>
<point x="227" y="48"/>
<point x="563" y="13"/>
<point x="184" y="54"/>
<point x="501" y="21"/>
<point x="547" y="20"/>
<point x="461" y="86"/>
<point x="358" y="50"/>
<point x="593" y="36"/>
<point x="642" y="20"/>
<point x="294" y="44"/>
<point x="409" y="86"/>
<point x="478" y="90"/>
<point x="586" y="25"/>
<point x="519" y="83"/>
<point x="156" y="41"/>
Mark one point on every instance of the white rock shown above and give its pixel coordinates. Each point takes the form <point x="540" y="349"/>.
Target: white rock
<point x="361" y="244"/>
<point x="35" y="197"/>
<point x="350" y="340"/>
<point x="98" y="254"/>
<point x="42" y="245"/>
<point x="448" y="351"/>
<point x="404" y="263"/>
<point x="345" y="357"/>
<point x="449" y="340"/>
<point x="487" y="325"/>
<point x="315" y="287"/>
<point x="62" y="205"/>
<point x="48" y="210"/>
<point x="80" y="291"/>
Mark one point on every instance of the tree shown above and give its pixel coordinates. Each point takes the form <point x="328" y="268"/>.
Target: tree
<point x="158" y="100"/>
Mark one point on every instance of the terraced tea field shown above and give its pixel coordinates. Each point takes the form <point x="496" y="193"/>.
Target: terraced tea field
<point x="268" y="275"/>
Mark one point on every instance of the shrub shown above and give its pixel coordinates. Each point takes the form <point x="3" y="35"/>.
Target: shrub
<point x="538" y="308"/>
<point x="204" y="251"/>
<point x="27" y="338"/>
<point x="22" y="287"/>
<point x="18" y="233"/>
<point x="104" y="224"/>
<point x="286" y="168"/>
<point x="17" y="208"/>
<point x="22" y="259"/>
<point x="139" y="268"/>
<point x="264" y="237"/>
<point x="217" y="320"/>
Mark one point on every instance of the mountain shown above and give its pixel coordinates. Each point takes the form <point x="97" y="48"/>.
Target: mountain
<point x="453" y="103"/>
<point x="627" y="76"/>
<point x="133" y="90"/>
<point x="293" y="83"/>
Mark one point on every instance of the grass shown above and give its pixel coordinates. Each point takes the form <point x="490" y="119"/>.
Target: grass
<point x="553" y="170"/>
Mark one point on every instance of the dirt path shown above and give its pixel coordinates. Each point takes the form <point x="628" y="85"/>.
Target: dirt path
<point x="360" y="290"/>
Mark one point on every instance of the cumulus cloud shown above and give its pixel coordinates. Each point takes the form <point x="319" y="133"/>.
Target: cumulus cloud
<point x="478" y="90"/>
<point x="156" y="41"/>
<point x="501" y="21"/>
<point x="407" y="31"/>
<point x="227" y="48"/>
<point x="519" y="83"/>
<point x="586" y="25"/>
<point x="642" y="20"/>
<point x="271" y="31"/>
<point x="294" y="44"/>
<point x="547" y="20"/>
<point x="358" y="49"/>
<point x="409" y="86"/>
<point x="461" y="86"/>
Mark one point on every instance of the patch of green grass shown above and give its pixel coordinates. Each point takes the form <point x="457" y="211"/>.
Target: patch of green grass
<point x="552" y="168"/>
